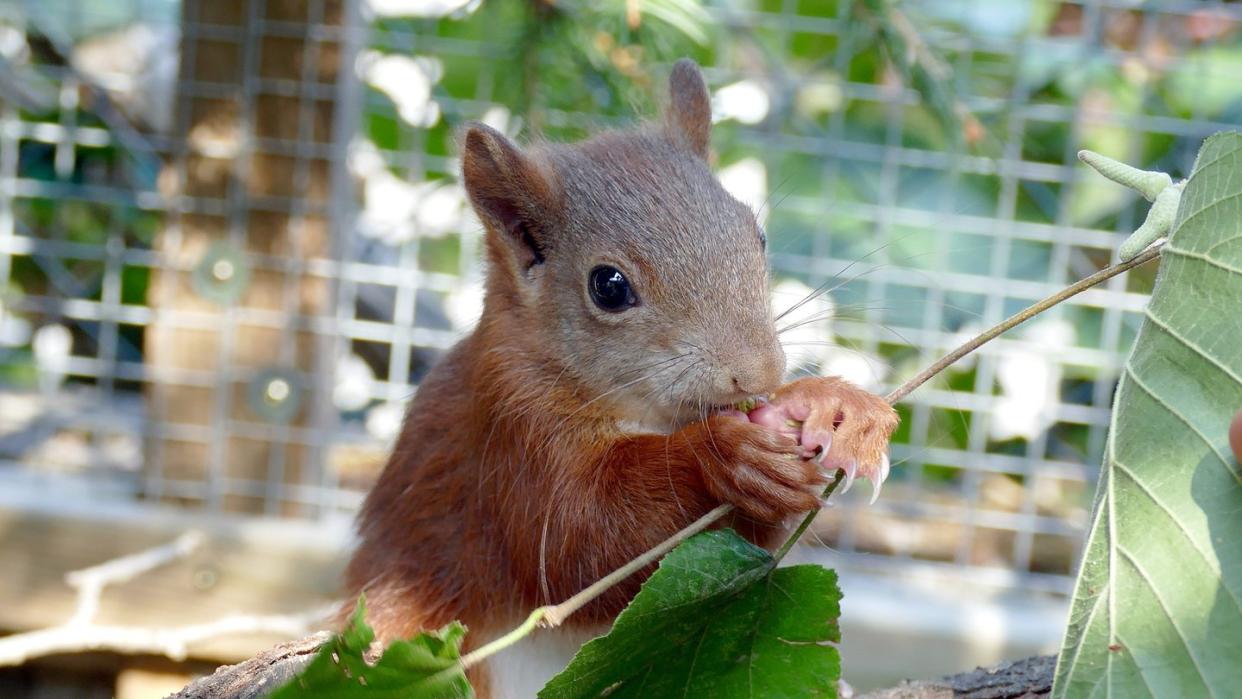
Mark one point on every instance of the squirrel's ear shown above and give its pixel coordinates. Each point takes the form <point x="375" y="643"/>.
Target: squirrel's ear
<point x="513" y="195"/>
<point x="689" y="118"/>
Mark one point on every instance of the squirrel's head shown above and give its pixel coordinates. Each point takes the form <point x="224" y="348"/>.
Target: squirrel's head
<point x="627" y="260"/>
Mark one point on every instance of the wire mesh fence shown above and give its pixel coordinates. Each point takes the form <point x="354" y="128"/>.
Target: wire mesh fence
<point x="232" y="239"/>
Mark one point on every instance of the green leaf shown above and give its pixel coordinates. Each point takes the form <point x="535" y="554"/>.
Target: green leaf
<point x="716" y="620"/>
<point x="921" y="67"/>
<point x="424" y="667"/>
<point x="686" y="16"/>
<point x="1158" y="606"/>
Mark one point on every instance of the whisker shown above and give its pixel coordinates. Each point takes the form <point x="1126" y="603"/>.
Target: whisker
<point x="899" y="336"/>
<point x="834" y="314"/>
<point x="643" y="367"/>
<point x="768" y="199"/>
<point x="663" y="364"/>
<point x="822" y="288"/>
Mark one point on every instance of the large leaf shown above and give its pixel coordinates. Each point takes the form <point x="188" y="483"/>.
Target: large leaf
<point x="716" y="620"/>
<point x="1158" y="605"/>
<point x="424" y="667"/>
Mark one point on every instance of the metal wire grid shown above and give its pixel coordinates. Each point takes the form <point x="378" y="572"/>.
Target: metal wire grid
<point x="409" y="332"/>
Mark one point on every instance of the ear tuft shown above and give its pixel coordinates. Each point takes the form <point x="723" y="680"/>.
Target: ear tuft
<point x="510" y="192"/>
<point x="689" y="119"/>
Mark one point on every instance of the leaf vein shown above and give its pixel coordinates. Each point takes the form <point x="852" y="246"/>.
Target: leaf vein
<point x="1182" y="419"/>
<point x="1202" y="257"/>
<point x="693" y="659"/>
<point x="1163" y="325"/>
<point x="1219" y="243"/>
<point x="1073" y="661"/>
<point x="1207" y="207"/>
<point x="1213" y="564"/>
<point x="1112" y="565"/>
<point x="1168" y="613"/>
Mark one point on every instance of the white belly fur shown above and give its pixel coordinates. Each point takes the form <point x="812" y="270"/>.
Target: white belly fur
<point x="520" y="671"/>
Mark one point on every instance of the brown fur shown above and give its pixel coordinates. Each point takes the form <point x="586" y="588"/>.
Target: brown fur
<point x="559" y="441"/>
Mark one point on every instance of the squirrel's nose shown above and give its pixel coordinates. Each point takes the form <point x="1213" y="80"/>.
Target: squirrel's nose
<point x="761" y="375"/>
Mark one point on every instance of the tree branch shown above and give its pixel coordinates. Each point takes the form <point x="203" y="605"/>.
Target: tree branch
<point x="80" y="633"/>
<point x="1027" y="678"/>
<point x="90" y="582"/>
<point x="172" y="642"/>
<point x="1017" y="319"/>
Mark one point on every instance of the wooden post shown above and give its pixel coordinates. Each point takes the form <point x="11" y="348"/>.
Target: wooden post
<point x="233" y="361"/>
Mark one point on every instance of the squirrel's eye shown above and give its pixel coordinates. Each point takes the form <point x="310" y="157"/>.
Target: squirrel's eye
<point x="610" y="290"/>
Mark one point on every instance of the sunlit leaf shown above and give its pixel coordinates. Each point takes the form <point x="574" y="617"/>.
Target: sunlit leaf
<point x="716" y="620"/>
<point x="1158" y="605"/>
<point x="424" y="667"/>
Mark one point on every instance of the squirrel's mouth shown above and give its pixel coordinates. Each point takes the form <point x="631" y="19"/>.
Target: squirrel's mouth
<point x="738" y="408"/>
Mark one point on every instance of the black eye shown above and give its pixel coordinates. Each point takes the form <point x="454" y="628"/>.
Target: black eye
<point x="610" y="290"/>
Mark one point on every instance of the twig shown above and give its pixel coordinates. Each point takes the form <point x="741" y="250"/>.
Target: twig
<point x="90" y="582"/>
<point x="1017" y="319"/>
<point x="80" y="634"/>
<point x="171" y="642"/>
<point x="805" y="524"/>
<point x="556" y="614"/>
<point x="970" y="346"/>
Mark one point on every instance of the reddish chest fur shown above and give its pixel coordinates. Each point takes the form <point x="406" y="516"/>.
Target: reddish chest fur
<point x="495" y="501"/>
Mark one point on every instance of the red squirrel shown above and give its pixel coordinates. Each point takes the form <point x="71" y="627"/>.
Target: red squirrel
<point x="587" y="417"/>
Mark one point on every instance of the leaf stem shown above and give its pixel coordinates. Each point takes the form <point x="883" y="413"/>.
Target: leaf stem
<point x="477" y="655"/>
<point x="807" y="520"/>
<point x="556" y="614"/>
<point x="970" y="346"/>
<point x="1017" y="319"/>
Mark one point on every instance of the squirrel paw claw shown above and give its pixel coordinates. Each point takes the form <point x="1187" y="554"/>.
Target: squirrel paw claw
<point x="851" y="470"/>
<point x="837" y="424"/>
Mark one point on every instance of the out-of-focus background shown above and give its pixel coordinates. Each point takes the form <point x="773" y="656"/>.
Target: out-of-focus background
<point x="232" y="240"/>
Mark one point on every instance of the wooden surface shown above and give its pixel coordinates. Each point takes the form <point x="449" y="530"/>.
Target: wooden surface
<point x="1029" y="678"/>
<point x="260" y="157"/>
<point x="259" y="675"/>
<point x="1026" y="678"/>
<point x="246" y="566"/>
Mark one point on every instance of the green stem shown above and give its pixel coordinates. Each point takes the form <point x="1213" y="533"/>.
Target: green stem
<point x="558" y="613"/>
<point x="532" y="622"/>
<point x="807" y="520"/>
<point x="1017" y="319"/>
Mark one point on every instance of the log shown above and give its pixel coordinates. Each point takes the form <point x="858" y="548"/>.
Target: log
<point x="254" y="163"/>
<point x="1017" y="679"/>
<point x="259" y="675"/>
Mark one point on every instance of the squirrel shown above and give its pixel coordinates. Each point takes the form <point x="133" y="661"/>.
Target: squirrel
<point x="589" y="414"/>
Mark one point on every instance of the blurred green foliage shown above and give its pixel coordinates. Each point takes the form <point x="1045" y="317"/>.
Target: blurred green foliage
<point x="865" y="97"/>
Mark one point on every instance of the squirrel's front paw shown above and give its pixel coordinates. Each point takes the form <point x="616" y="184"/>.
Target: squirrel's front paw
<point x="847" y="427"/>
<point x="758" y="471"/>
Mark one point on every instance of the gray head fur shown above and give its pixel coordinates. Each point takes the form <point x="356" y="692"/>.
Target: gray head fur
<point x="645" y="202"/>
